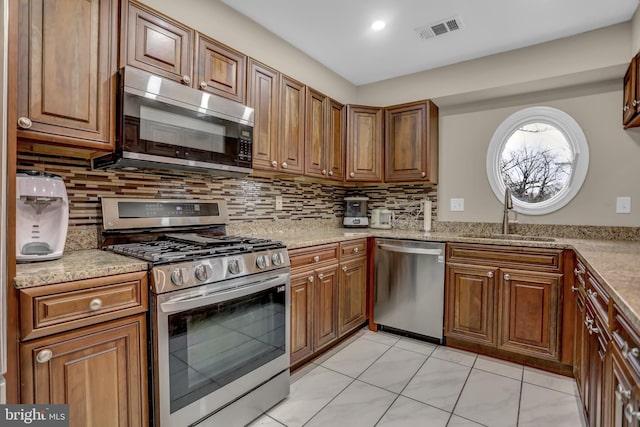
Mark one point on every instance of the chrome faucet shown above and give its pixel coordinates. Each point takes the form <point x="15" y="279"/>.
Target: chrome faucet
<point x="508" y="204"/>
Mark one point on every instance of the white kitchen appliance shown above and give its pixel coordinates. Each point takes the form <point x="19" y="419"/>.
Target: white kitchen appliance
<point x="42" y="216"/>
<point x="382" y="218"/>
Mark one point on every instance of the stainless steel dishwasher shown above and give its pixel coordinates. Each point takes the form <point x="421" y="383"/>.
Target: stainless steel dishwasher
<point x="409" y="287"/>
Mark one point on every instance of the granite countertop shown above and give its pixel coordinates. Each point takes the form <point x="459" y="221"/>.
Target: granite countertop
<point x="614" y="263"/>
<point x="78" y="265"/>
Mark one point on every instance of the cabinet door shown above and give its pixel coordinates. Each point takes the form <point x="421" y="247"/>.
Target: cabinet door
<point x="263" y="98"/>
<point x="622" y="395"/>
<point x="352" y="301"/>
<point x="629" y="95"/>
<point x="292" y="106"/>
<point x="219" y="69"/>
<point x="364" y="144"/>
<point x="469" y="307"/>
<point x="529" y="314"/>
<point x="301" y="316"/>
<point x="316" y="137"/>
<point x="579" y="343"/>
<point x="66" y="71"/>
<point x="335" y="140"/>
<point x="99" y="371"/>
<point x="411" y="142"/>
<point x="158" y="44"/>
<point x="325" y="298"/>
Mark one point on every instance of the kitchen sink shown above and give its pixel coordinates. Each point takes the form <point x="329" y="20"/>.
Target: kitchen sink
<point x="508" y="237"/>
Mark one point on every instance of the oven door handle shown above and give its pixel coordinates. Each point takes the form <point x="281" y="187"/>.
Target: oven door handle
<point x="198" y="300"/>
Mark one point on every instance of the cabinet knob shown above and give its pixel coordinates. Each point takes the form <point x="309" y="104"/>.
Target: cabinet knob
<point x="574" y="288"/>
<point x="578" y="272"/>
<point x="626" y="352"/>
<point x="284" y="165"/>
<point x="95" y="304"/>
<point x="423" y="174"/>
<point x="630" y="414"/>
<point x="352" y="174"/>
<point x="186" y="79"/>
<point x="324" y="172"/>
<point x="625" y="108"/>
<point x="507" y="277"/>
<point x="203" y="85"/>
<point x="356" y="250"/>
<point x="330" y="173"/>
<point x="592" y="293"/>
<point x="316" y="258"/>
<point x="274" y="163"/>
<point x="635" y="102"/>
<point x="310" y="279"/>
<point x="320" y="276"/>
<point x="622" y="394"/>
<point x="344" y="268"/>
<point x="490" y="274"/>
<point x="25" y="122"/>
<point x="44" y="356"/>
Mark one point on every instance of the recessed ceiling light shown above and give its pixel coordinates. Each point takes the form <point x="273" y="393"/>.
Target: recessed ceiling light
<point x="378" y="25"/>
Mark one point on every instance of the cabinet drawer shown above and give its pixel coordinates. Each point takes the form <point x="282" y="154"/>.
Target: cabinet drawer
<point x="627" y="340"/>
<point x="353" y="248"/>
<point x="45" y="310"/>
<point x="598" y="297"/>
<point x="313" y="255"/>
<point x="539" y="259"/>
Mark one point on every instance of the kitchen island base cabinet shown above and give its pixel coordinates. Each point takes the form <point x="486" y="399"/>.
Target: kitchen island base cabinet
<point x="99" y="371"/>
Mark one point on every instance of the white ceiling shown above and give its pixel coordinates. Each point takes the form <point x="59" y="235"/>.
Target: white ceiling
<point x="338" y="34"/>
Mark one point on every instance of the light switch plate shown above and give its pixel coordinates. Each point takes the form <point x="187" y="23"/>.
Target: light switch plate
<point x="623" y="204"/>
<point x="456" y="205"/>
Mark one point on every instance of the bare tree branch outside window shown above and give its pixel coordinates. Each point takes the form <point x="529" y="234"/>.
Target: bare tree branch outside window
<point x="536" y="162"/>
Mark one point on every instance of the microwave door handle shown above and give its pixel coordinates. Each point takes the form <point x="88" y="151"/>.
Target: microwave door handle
<point x="188" y="303"/>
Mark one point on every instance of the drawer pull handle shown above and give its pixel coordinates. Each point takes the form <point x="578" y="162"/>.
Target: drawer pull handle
<point x="95" y="304"/>
<point x="630" y="414"/>
<point x="490" y="274"/>
<point x="316" y="258"/>
<point x="310" y="279"/>
<point x="320" y="276"/>
<point x="593" y="330"/>
<point x="578" y="272"/>
<point x="356" y="250"/>
<point x="588" y="322"/>
<point x="574" y="288"/>
<point x="44" y="356"/>
<point x="622" y="394"/>
<point x="626" y="352"/>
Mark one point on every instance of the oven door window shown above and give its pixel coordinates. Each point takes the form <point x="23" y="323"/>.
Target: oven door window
<point x="212" y="346"/>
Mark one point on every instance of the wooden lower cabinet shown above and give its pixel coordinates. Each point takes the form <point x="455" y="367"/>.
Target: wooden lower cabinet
<point x="328" y="295"/>
<point x="99" y="371"/>
<point x="352" y="308"/>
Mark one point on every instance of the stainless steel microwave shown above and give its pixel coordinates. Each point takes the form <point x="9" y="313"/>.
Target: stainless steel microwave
<point x="163" y="124"/>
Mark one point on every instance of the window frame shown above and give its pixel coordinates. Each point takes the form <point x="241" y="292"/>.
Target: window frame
<point x="575" y="137"/>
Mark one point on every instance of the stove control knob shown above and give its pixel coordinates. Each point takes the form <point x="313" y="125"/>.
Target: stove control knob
<point x="234" y="266"/>
<point x="276" y="259"/>
<point x="179" y="276"/>
<point x="203" y="272"/>
<point x="262" y="262"/>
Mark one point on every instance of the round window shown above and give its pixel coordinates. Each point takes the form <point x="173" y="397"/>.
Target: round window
<point x="542" y="155"/>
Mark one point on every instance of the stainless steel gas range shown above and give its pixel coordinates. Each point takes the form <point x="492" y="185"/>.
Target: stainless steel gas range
<point x="219" y="316"/>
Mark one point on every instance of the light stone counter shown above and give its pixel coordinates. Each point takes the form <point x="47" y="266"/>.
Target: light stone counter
<point x="78" y="265"/>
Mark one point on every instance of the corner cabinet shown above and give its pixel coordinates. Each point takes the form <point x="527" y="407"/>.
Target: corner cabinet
<point x="411" y="142"/>
<point x="328" y="301"/>
<point x="66" y="71"/>
<point x="85" y="345"/>
<point x="505" y="300"/>
<point x="365" y="148"/>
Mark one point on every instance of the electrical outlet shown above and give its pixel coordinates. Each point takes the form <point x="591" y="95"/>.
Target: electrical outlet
<point x="623" y="204"/>
<point x="456" y="205"/>
<point x="278" y="203"/>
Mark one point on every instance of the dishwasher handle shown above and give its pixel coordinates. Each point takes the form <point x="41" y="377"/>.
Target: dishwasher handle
<point x="407" y="250"/>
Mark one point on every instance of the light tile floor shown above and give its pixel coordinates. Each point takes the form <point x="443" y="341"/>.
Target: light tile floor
<point x="381" y="379"/>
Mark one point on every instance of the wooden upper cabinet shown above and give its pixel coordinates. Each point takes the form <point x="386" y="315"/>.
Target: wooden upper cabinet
<point x="628" y="99"/>
<point x="411" y="142"/>
<point x="336" y="140"/>
<point x="292" y="124"/>
<point x="316" y="134"/>
<point x="364" y="144"/>
<point x="66" y="71"/>
<point x="263" y="96"/>
<point x="219" y="69"/>
<point x="158" y="44"/>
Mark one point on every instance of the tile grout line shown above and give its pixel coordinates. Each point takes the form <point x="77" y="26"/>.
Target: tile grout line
<point x="461" y="391"/>
<point x="520" y="398"/>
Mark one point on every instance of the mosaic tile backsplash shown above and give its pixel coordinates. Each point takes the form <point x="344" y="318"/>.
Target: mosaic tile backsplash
<point x="249" y="199"/>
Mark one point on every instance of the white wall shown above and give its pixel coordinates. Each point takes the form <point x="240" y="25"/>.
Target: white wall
<point x="217" y="20"/>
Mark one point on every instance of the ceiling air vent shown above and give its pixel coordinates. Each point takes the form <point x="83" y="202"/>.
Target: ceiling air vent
<point x="439" y="28"/>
